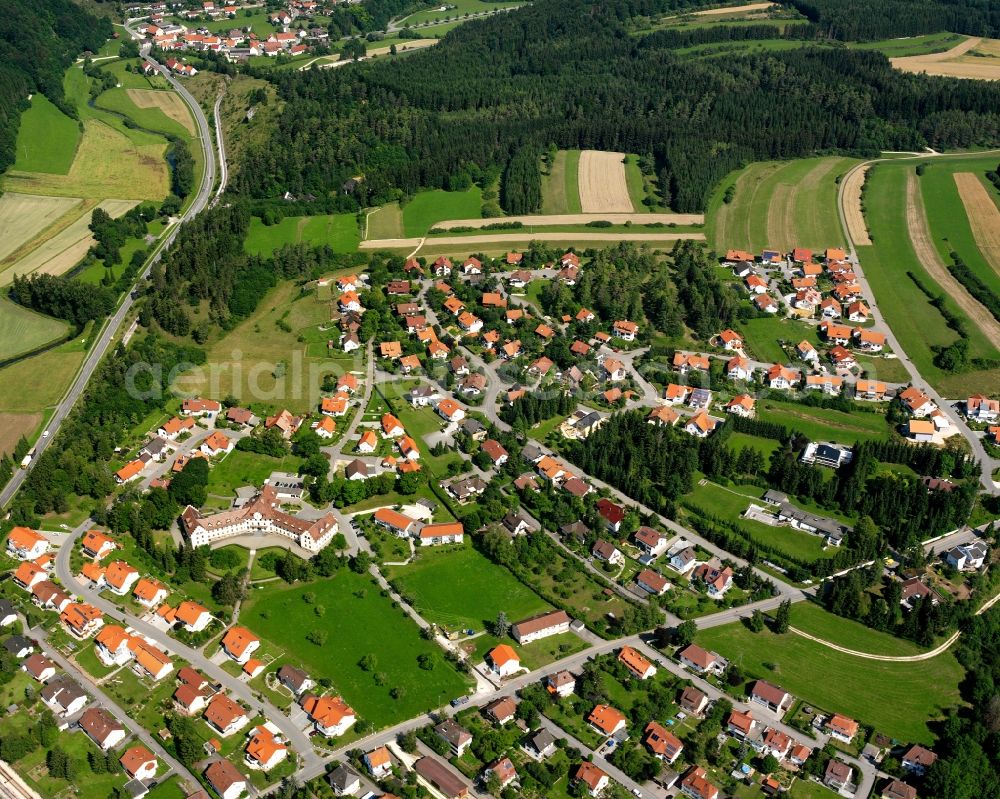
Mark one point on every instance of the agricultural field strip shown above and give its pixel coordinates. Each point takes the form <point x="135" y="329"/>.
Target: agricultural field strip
<point x="927" y="254"/>
<point x="578" y="219"/>
<point x="983" y="214"/>
<point x="169" y="103"/>
<point x="24" y="216"/>
<point x="603" y="188"/>
<point x="516" y="238"/>
<point x="951" y="63"/>
<point x="64" y="250"/>
<point x="857" y="228"/>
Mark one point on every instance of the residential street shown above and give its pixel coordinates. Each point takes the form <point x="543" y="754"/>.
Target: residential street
<point x="238" y="689"/>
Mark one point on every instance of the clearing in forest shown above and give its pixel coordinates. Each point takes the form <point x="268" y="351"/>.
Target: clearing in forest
<point x="169" y="103"/>
<point x="923" y="245"/>
<point x="24" y="216"/>
<point x="603" y="188"/>
<point x="542" y="220"/>
<point x="984" y="217"/>
<point x="974" y="58"/>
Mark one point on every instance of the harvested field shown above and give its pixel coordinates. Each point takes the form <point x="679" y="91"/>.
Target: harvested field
<point x="578" y="219"/>
<point x="746" y="9"/>
<point x="24" y="216"/>
<point x="15" y="425"/>
<point x="169" y="103"/>
<point x="107" y="164"/>
<point x="857" y="229"/>
<point x="791" y="213"/>
<point x="954" y="63"/>
<point x="385" y="222"/>
<point x="64" y="250"/>
<point x="467" y="242"/>
<point x="603" y="188"/>
<point x="916" y="222"/>
<point x="984" y="217"/>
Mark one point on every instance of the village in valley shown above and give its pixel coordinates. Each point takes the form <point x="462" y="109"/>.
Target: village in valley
<point x="341" y="459"/>
<point x="570" y="699"/>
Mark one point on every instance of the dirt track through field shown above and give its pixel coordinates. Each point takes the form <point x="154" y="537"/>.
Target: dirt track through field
<point x="750" y="7"/>
<point x="513" y="238"/>
<point x="24" y="216"/>
<point x="916" y="222"/>
<point x="169" y="103"/>
<point x="951" y="63"/>
<point x="602" y="183"/>
<point x="578" y="219"/>
<point x="984" y="217"/>
<point x="856" y="226"/>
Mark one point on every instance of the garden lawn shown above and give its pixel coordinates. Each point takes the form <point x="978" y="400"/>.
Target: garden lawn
<point x="763" y="335"/>
<point x="47" y="138"/>
<point x="337" y="231"/>
<point x="765" y="446"/>
<point x="240" y="468"/>
<point x="430" y="207"/>
<point x="898" y="699"/>
<point x="358" y="621"/>
<point x="825" y="424"/>
<point x="461" y="589"/>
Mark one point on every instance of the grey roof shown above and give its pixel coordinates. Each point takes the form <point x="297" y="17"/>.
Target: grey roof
<point x="472" y="426"/>
<point x="775" y="497"/>
<point x="341" y="777"/>
<point x="62" y="690"/>
<point x="16" y="643"/>
<point x="6" y="608"/>
<point x="532" y="452"/>
<point x="823" y="524"/>
<point x="541" y="740"/>
<point x="588" y="421"/>
<point x="156" y="446"/>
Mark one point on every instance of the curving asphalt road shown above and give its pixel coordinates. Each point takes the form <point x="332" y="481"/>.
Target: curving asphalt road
<point x="112" y="326"/>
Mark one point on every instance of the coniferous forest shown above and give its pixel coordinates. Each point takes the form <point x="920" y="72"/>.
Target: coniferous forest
<point x="569" y="74"/>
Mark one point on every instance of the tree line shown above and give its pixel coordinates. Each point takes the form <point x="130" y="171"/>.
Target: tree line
<point x="63" y="297"/>
<point x="567" y="74"/>
<point x="867" y="20"/>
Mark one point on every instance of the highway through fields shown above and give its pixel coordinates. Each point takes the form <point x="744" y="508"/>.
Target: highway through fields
<point x="112" y="326"/>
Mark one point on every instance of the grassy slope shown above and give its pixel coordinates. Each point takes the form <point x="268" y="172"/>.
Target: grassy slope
<point x="914" y="45"/>
<point x="824" y="424"/>
<point x="743" y="223"/>
<point x="429" y="207"/>
<point x="339" y="231"/>
<point x="47" y="138"/>
<point x="22" y="330"/>
<point x="813" y="619"/>
<point x="918" y="325"/>
<point x="897" y="698"/>
<point x="359" y="621"/>
<point x="462" y="589"/>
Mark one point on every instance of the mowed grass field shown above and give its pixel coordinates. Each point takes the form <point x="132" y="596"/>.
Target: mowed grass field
<point x="46" y="139"/>
<point x="151" y="109"/>
<point x="912" y="45"/>
<point x="825" y="424"/>
<point x="460" y="588"/>
<point x="730" y="503"/>
<point x="22" y="330"/>
<point x="779" y="204"/>
<point x="460" y="9"/>
<point x="429" y="207"/>
<point x="764" y="334"/>
<point x="919" y="326"/>
<point x="897" y="698"/>
<point x="813" y="619"/>
<point x="338" y="231"/>
<point x="358" y="621"/>
<point x="561" y="187"/>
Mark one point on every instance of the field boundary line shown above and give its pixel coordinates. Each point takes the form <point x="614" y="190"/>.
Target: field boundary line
<point x="983" y="215"/>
